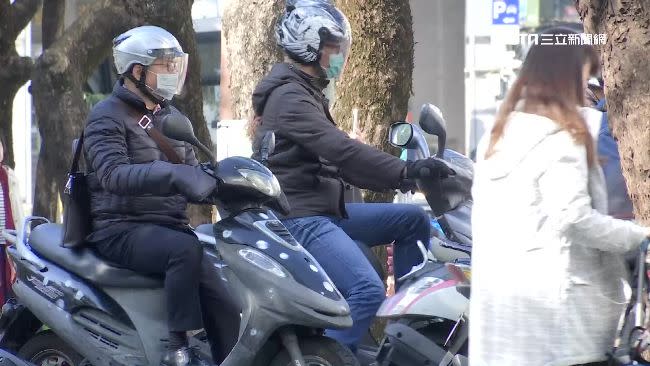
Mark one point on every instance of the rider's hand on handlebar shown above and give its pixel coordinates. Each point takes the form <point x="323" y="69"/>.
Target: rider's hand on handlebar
<point x="428" y="168"/>
<point x="209" y="169"/>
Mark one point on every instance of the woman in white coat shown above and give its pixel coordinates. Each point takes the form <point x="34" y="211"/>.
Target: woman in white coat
<point x="548" y="273"/>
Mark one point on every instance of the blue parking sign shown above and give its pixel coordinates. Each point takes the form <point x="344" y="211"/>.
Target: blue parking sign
<point x="505" y="12"/>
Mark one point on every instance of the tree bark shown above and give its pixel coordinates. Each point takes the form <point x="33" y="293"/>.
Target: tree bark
<point x="626" y="24"/>
<point x="249" y="32"/>
<point x="190" y="101"/>
<point x="378" y="78"/>
<point x="15" y="70"/>
<point x="53" y="21"/>
<point x="63" y="68"/>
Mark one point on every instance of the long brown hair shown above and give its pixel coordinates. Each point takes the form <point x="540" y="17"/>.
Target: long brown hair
<point x="550" y="84"/>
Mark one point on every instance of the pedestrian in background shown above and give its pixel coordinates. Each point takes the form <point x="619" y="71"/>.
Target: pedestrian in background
<point x="619" y="204"/>
<point x="11" y="214"/>
<point x="547" y="262"/>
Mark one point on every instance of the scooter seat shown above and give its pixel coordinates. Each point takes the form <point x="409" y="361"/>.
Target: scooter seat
<point x="45" y="240"/>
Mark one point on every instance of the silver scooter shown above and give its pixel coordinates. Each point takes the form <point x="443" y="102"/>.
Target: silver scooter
<point x="111" y="316"/>
<point x="427" y="315"/>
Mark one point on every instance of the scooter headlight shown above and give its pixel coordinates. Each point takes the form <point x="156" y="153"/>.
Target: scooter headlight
<point x="266" y="184"/>
<point x="262" y="261"/>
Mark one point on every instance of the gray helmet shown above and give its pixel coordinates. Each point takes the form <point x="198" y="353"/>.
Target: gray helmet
<point x="307" y="24"/>
<point x="143" y="45"/>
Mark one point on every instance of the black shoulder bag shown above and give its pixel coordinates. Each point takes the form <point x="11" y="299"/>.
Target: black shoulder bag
<point x="77" y="223"/>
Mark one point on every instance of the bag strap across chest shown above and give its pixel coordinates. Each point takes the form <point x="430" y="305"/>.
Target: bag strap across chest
<point x="145" y="122"/>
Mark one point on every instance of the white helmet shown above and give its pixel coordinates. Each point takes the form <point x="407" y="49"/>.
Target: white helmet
<point x="307" y="24"/>
<point x="144" y="45"/>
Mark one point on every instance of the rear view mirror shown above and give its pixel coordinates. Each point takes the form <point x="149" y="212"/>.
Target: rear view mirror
<point x="433" y="123"/>
<point x="401" y="134"/>
<point x="178" y="127"/>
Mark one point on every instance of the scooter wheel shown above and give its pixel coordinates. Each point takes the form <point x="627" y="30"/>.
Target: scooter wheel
<point x="46" y="348"/>
<point x="319" y="351"/>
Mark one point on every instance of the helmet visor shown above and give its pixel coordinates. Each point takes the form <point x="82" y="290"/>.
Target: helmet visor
<point x="174" y="61"/>
<point x="171" y="71"/>
<point x="336" y="37"/>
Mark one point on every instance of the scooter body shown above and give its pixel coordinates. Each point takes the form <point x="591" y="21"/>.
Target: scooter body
<point x="114" y="316"/>
<point x="427" y="316"/>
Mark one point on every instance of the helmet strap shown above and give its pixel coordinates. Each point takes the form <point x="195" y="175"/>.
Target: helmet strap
<point x="143" y="88"/>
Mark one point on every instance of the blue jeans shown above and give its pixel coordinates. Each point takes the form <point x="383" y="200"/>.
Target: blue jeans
<point x="331" y="241"/>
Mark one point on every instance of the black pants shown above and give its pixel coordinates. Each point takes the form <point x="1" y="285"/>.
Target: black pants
<point x="195" y="298"/>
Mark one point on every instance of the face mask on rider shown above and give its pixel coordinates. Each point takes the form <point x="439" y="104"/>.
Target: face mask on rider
<point x="333" y="72"/>
<point x="335" y="68"/>
<point x="166" y="85"/>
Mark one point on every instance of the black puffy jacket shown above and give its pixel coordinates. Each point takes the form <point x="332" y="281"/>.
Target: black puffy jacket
<point x="130" y="179"/>
<point x="312" y="155"/>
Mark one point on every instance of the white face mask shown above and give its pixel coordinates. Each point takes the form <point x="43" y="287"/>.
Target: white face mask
<point x="166" y="85"/>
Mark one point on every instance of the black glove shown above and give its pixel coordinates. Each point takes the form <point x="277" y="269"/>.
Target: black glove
<point x="209" y="170"/>
<point x="428" y="168"/>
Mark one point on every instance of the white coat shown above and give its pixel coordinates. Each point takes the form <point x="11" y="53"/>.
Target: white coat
<point x="549" y="280"/>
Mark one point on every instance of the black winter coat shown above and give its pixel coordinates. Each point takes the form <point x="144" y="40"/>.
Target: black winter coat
<point x="130" y="178"/>
<point x="312" y="155"/>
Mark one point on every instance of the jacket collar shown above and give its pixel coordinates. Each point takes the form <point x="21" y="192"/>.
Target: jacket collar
<point x="318" y="83"/>
<point x="315" y="85"/>
<point x="128" y="97"/>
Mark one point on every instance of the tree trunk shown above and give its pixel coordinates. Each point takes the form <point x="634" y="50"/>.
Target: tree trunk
<point x="65" y="65"/>
<point x="15" y="70"/>
<point x="190" y="101"/>
<point x="249" y="32"/>
<point x="626" y="24"/>
<point x="378" y="78"/>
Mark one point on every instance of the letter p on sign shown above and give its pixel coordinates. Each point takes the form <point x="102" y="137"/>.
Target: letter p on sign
<point x="498" y="8"/>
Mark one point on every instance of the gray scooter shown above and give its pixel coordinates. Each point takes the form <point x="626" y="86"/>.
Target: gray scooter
<point x="84" y="310"/>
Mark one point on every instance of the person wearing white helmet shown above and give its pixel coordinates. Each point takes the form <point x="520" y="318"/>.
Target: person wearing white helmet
<point x="312" y="156"/>
<point x="157" y="60"/>
<point x="140" y="188"/>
